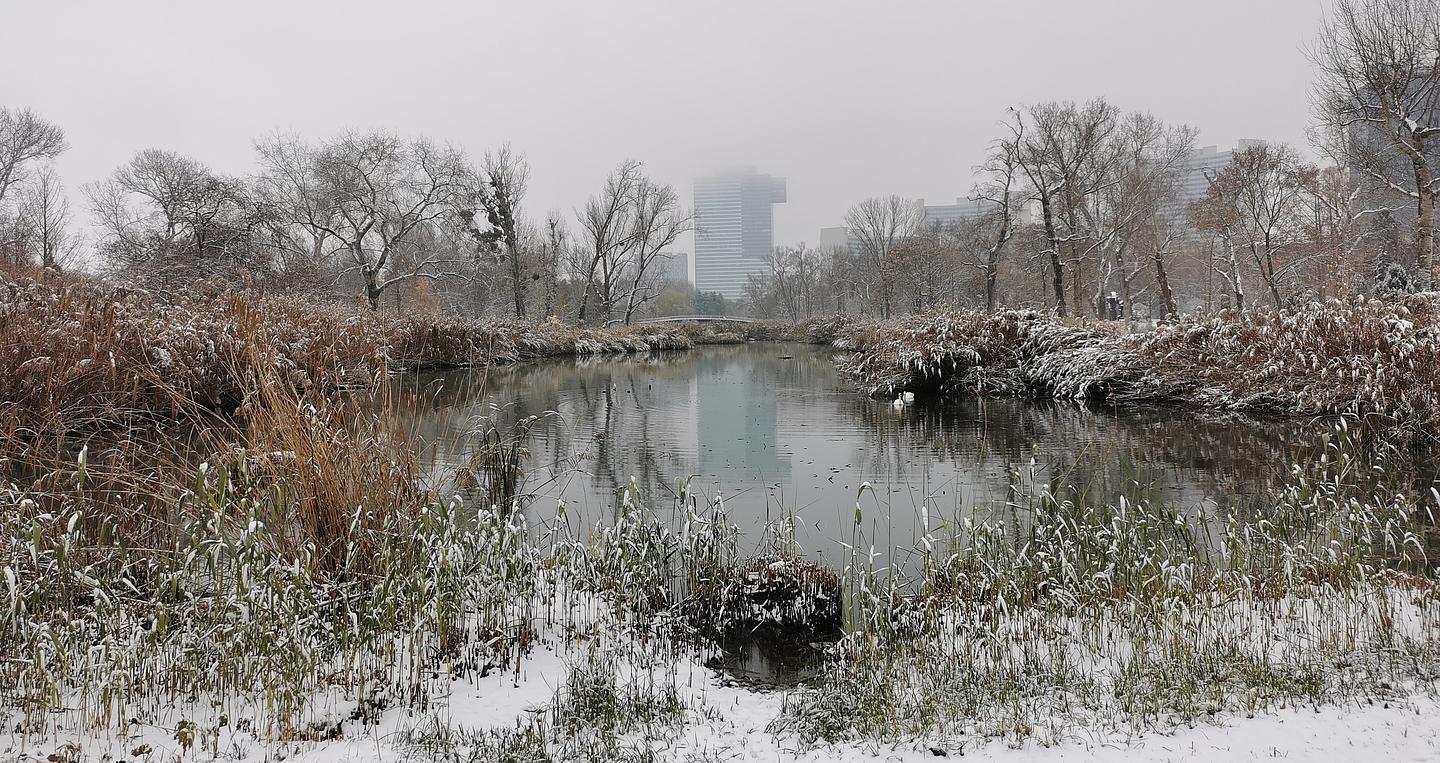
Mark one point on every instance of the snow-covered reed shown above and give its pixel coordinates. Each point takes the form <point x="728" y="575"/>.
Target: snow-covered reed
<point x="1065" y="619"/>
<point x="77" y="354"/>
<point x="1363" y="358"/>
<point x="238" y="619"/>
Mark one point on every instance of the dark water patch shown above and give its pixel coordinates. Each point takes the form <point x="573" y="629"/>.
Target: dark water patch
<point x="772" y="656"/>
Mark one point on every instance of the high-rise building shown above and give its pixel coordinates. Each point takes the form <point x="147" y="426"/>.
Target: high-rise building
<point x="674" y="267"/>
<point x="1194" y="182"/>
<point x="963" y="210"/>
<point x="734" y="230"/>
<point x="967" y="210"/>
<point x="834" y="238"/>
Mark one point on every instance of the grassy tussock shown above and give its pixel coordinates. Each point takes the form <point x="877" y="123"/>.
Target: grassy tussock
<point x="1363" y="358"/>
<point x="1012" y="352"/>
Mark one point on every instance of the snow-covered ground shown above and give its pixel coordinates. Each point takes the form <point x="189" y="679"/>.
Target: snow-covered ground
<point x="1401" y="731"/>
<point x="725" y="722"/>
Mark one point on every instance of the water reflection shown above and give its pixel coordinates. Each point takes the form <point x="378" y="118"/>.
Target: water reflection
<point x="772" y="429"/>
<point x="772" y="656"/>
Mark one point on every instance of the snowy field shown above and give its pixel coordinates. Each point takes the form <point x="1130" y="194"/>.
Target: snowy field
<point x="728" y="723"/>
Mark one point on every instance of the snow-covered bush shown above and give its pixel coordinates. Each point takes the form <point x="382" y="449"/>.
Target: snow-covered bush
<point x="1363" y="358"/>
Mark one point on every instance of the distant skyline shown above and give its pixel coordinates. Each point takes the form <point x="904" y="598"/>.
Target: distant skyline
<point x="846" y="99"/>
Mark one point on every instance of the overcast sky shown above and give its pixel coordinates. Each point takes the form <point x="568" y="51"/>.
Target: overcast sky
<point x="846" y="99"/>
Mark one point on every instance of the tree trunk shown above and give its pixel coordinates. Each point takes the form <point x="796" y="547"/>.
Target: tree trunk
<point x="1057" y="268"/>
<point x="884" y="290"/>
<point x="373" y="290"/>
<point x="1275" y="291"/>
<point x="1424" y="227"/>
<point x="1266" y="264"/>
<point x="1236" y="287"/>
<point x="515" y="274"/>
<point x="1127" y="310"/>
<point x="630" y="308"/>
<point x="992" y="267"/>
<point x="585" y="293"/>
<point x="1162" y="279"/>
<point x="549" y="306"/>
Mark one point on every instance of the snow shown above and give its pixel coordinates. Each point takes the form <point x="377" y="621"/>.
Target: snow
<point x="728" y="722"/>
<point x="1402" y="731"/>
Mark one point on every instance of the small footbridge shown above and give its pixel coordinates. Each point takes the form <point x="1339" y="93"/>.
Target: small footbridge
<point x="700" y="319"/>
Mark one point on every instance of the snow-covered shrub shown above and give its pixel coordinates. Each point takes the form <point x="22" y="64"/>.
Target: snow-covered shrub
<point x="1012" y="352"/>
<point x="1362" y="358"/>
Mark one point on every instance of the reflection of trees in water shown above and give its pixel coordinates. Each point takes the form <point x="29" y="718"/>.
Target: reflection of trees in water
<point x="663" y="417"/>
<point x="1171" y="454"/>
<point x="609" y="413"/>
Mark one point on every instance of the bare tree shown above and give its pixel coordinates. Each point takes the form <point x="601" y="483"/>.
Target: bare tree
<point x="1144" y="172"/>
<point x="880" y="225"/>
<point x="1333" y="227"/>
<point x="1377" y="99"/>
<point x="45" y="211"/>
<point x="1066" y="156"/>
<point x="1162" y="236"/>
<point x="842" y="274"/>
<point x="1001" y="175"/>
<point x="25" y="138"/>
<point x="1214" y="215"/>
<point x="166" y="216"/>
<point x="370" y="194"/>
<point x="608" y="227"/>
<point x="658" y="220"/>
<point x="795" y="281"/>
<point x="1254" y="205"/>
<point x="554" y="249"/>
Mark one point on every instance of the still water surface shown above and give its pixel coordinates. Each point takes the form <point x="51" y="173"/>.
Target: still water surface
<point x="773" y="429"/>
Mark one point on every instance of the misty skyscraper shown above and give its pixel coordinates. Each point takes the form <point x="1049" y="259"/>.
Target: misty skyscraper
<point x="735" y="229"/>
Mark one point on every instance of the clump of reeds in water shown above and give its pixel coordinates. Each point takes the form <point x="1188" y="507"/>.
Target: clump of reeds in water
<point x="80" y="355"/>
<point x="1070" y="618"/>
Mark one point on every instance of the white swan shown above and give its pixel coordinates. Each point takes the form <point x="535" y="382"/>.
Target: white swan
<point x="908" y="397"/>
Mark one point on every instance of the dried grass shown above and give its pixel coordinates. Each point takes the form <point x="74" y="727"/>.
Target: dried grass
<point x="1362" y="358"/>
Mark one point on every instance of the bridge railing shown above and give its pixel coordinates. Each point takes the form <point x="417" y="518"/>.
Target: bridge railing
<point x="700" y="319"/>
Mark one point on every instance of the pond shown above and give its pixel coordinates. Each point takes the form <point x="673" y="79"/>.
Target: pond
<point x="774" y="431"/>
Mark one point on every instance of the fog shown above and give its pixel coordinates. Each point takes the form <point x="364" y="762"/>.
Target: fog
<point x="846" y="99"/>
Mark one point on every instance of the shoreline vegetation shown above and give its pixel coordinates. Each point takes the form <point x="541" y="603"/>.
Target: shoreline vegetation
<point x="80" y="351"/>
<point x="284" y="579"/>
<point x="1365" y="359"/>
<point x="77" y="354"/>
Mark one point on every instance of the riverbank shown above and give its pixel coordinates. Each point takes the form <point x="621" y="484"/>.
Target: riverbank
<point x="76" y="354"/>
<point x="235" y="614"/>
<point x="1374" y="361"/>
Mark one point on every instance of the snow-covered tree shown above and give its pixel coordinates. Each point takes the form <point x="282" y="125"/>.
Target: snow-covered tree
<point x="1377" y="101"/>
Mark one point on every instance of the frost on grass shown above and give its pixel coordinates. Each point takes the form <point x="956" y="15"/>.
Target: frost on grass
<point x="1070" y="620"/>
<point x="1363" y="358"/>
<point x="456" y="632"/>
